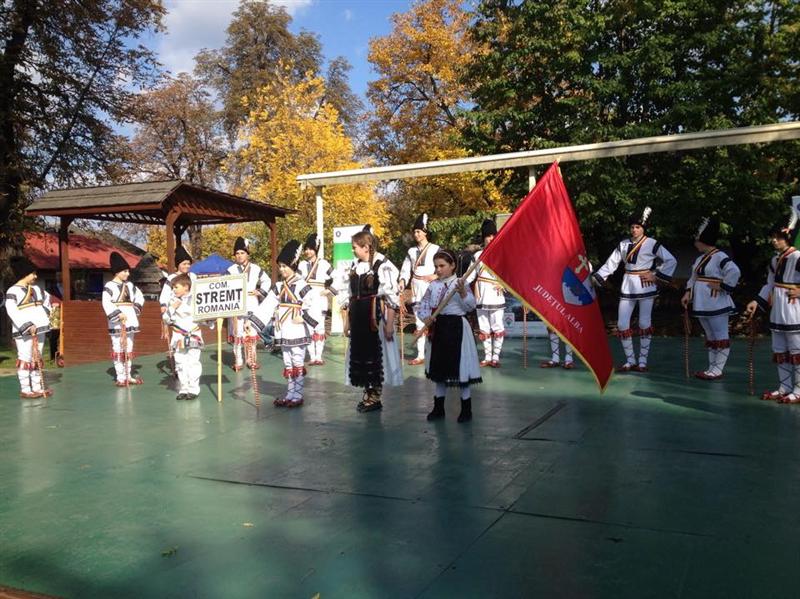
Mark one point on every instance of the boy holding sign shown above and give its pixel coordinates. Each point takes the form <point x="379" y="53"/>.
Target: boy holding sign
<point x="186" y="339"/>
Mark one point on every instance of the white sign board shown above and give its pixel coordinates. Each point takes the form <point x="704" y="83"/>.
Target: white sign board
<point x="219" y="297"/>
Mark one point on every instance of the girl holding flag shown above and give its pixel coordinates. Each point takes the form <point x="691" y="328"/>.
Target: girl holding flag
<point x="451" y="359"/>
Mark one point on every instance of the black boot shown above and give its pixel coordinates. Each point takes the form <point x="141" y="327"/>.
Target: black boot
<point x="438" y="409"/>
<point x="466" y="410"/>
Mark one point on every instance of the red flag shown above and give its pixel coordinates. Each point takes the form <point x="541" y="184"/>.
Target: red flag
<point x="539" y="255"/>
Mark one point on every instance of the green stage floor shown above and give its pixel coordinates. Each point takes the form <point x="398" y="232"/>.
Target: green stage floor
<point x="659" y="488"/>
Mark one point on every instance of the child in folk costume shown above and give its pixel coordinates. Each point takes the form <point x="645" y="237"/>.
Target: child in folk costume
<point x="370" y="302"/>
<point x="417" y="270"/>
<point x="317" y="272"/>
<point x="289" y="302"/>
<point x="452" y="358"/>
<point x="781" y="298"/>
<point x="708" y="290"/>
<point x="186" y="338"/>
<point x="28" y="308"/>
<point x="183" y="262"/>
<point x="122" y="303"/>
<point x="491" y="302"/>
<point x="646" y="262"/>
<point x="258" y="284"/>
<point x="555" y="353"/>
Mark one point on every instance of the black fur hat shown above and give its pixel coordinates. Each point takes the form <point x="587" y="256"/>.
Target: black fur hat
<point x="421" y="223"/>
<point x="640" y="219"/>
<point x="488" y="227"/>
<point x="118" y="263"/>
<point x="21" y="267"/>
<point x="708" y="231"/>
<point x="290" y="254"/>
<point x="312" y="243"/>
<point x="181" y="255"/>
<point x="241" y="244"/>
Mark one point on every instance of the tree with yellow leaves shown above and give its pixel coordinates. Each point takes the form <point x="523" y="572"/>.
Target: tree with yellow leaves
<point x="291" y="130"/>
<point x="416" y="104"/>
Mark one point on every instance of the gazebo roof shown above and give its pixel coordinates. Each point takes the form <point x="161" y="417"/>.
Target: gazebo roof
<point x="149" y="203"/>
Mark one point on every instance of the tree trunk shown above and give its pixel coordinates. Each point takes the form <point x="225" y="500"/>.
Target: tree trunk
<point x="195" y="240"/>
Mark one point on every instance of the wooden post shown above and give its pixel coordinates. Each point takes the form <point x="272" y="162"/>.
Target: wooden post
<point x="273" y="244"/>
<point x="63" y="250"/>
<point x="172" y="217"/>
<point x="219" y="359"/>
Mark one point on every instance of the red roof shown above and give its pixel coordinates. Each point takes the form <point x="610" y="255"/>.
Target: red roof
<point x="84" y="252"/>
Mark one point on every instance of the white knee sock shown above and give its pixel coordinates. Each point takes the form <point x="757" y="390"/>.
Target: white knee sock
<point x="487" y="347"/>
<point x="644" y="349"/>
<point x="627" y="347"/>
<point x="567" y="354"/>
<point x="466" y="393"/>
<point x="497" y="341"/>
<point x="421" y="347"/>
<point x="555" y="342"/>
<point x="441" y="390"/>
<point x="785" y="377"/>
<point x="24" y="376"/>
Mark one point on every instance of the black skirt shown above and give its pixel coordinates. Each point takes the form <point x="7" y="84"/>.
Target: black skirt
<point x="366" y="354"/>
<point x="444" y="363"/>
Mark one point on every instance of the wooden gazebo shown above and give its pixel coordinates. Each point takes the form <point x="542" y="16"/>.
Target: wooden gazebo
<point x="174" y="204"/>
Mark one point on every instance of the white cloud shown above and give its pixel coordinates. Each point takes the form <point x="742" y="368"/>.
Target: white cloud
<point x="196" y="24"/>
<point x="348" y="14"/>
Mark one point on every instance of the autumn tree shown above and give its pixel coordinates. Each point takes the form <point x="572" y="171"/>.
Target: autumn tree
<point x="68" y="71"/>
<point x="292" y="130"/>
<point x="417" y="101"/>
<point x="179" y="136"/>
<point x="258" y="42"/>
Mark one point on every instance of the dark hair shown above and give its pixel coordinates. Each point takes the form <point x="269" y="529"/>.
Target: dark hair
<point x="445" y="255"/>
<point x="182" y="279"/>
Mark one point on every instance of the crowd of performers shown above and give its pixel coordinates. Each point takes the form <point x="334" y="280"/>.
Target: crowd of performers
<point x="370" y="291"/>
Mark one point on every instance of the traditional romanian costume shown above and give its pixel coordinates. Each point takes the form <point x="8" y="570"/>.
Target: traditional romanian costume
<point x="289" y="303"/>
<point x="371" y="360"/>
<point x="122" y="298"/>
<point x="452" y="358"/>
<point x="28" y="307"/>
<point x="258" y="285"/>
<point x="713" y="279"/>
<point x="490" y="301"/>
<point x="318" y="274"/>
<point x="784" y="315"/>
<point x="639" y="257"/>
<point x="186" y="341"/>
<point x="417" y="271"/>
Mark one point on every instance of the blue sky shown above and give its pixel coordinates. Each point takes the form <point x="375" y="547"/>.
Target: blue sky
<point x="343" y="26"/>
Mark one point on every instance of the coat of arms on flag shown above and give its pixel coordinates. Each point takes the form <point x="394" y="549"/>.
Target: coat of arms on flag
<point x="576" y="283"/>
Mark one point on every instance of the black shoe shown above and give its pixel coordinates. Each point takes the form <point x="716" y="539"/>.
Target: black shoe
<point x="466" y="410"/>
<point x="182" y="396"/>
<point x="191" y="396"/>
<point x="438" y="409"/>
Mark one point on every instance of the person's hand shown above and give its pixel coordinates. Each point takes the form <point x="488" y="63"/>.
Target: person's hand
<point x="123" y="318"/>
<point x="462" y="291"/>
<point x="175" y="303"/>
<point x="32" y="330"/>
<point x="793" y="293"/>
<point x="647" y="278"/>
<point x="388" y="331"/>
<point x="685" y="299"/>
<point x="751" y="309"/>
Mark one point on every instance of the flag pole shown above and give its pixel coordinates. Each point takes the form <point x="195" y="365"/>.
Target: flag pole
<point x="524" y="337"/>
<point x="449" y="296"/>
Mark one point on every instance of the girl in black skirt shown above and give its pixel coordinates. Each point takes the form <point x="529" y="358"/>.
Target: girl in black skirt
<point x="370" y="301"/>
<point x="451" y="360"/>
